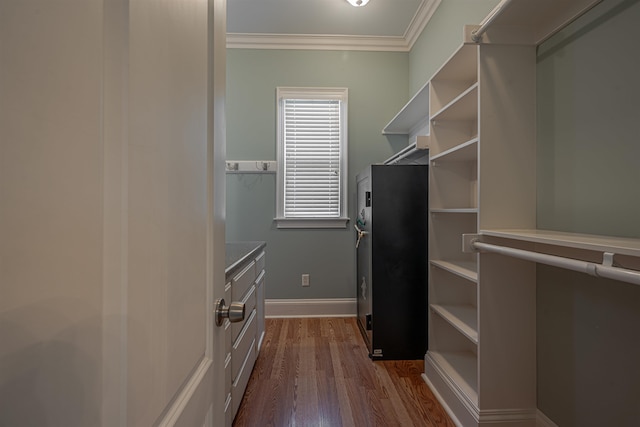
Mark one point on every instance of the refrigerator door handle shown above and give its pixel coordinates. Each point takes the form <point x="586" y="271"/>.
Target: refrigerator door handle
<point x="361" y="234"/>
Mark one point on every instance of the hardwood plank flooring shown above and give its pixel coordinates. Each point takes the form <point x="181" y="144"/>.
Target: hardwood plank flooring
<point x="316" y="372"/>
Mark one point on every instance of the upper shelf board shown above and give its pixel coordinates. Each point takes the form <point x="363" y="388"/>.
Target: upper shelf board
<point x="414" y="112"/>
<point x="465" y="152"/>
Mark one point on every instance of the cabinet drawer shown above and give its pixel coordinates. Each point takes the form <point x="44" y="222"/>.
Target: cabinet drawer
<point x="228" y="378"/>
<point x="228" y="386"/>
<point x="226" y="324"/>
<point x="260" y="261"/>
<point x="227" y="337"/>
<point x="260" y="310"/>
<point x="242" y="281"/>
<point x="241" y="347"/>
<point x="240" y="384"/>
<point x="249" y="301"/>
<point x="228" y="410"/>
<point x="227" y="293"/>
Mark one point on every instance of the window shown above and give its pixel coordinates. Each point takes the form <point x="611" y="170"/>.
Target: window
<point x="312" y="157"/>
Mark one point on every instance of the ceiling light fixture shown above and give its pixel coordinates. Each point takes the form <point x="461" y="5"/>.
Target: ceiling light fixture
<point x="358" y="3"/>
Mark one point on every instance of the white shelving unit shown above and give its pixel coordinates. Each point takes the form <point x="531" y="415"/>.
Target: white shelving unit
<point x="484" y="161"/>
<point x="481" y="361"/>
<point x="476" y="115"/>
<point x="452" y="358"/>
<point x="481" y="357"/>
<point x="453" y="201"/>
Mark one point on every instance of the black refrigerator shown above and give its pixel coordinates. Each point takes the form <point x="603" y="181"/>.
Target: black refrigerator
<point x="391" y="250"/>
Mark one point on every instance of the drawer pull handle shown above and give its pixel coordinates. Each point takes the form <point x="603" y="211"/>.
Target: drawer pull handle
<point x="235" y="311"/>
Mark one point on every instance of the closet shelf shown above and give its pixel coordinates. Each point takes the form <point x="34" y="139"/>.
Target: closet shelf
<point x="461" y="67"/>
<point x="411" y="115"/>
<point x="465" y="152"/>
<point x="462" y="108"/>
<point x="465" y="269"/>
<point x="456" y="210"/>
<point x="591" y="242"/>
<point x="462" y="317"/>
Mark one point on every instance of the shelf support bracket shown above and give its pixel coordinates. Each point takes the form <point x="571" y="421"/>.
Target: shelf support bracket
<point x="607" y="259"/>
<point x="467" y="243"/>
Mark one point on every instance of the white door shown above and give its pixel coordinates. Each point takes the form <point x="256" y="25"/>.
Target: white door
<point x="111" y="212"/>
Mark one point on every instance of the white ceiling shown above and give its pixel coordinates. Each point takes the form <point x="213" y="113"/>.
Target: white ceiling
<point x="326" y="24"/>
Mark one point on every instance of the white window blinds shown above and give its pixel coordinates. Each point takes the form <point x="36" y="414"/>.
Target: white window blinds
<point x="312" y="157"/>
<point x="312" y="139"/>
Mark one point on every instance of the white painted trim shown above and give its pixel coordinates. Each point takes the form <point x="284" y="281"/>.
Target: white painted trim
<point x="339" y="42"/>
<point x="180" y="405"/>
<point x="333" y="307"/>
<point x="311" y="222"/>
<point x="441" y="400"/>
<point x="543" y="421"/>
<point x="506" y="416"/>
<point x="419" y="21"/>
<point x="479" y="417"/>
<point x="315" y="42"/>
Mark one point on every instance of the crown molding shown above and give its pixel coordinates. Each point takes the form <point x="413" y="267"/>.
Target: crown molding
<point x="338" y="42"/>
<point x="315" y="42"/>
<point x="420" y="20"/>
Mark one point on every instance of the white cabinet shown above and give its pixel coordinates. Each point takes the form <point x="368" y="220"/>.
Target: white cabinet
<point x="245" y="283"/>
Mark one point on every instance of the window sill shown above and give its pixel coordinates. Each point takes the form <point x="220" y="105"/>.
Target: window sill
<point x="311" y="222"/>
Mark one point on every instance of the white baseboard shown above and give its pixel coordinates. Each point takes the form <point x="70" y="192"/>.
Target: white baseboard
<point x="440" y="399"/>
<point x="333" y="307"/>
<point x="543" y="421"/>
<point x="470" y="416"/>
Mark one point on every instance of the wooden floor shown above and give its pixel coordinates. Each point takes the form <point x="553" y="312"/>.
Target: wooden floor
<point x="316" y="372"/>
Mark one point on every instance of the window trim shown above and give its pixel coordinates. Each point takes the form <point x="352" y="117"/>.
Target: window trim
<point x="312" y="93"/>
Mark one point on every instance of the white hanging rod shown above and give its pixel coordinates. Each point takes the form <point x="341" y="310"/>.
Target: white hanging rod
<point x="605" y="270"/>
<point x="476" y="35"/>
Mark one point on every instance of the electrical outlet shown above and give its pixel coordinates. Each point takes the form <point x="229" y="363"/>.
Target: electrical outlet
<point x="305" y="280"/>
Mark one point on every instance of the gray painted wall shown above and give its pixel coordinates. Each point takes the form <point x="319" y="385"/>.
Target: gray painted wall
<point x="442" y="36"/>
<point x="377" y="83"/>
<point x="588" y="176"/>
<point x="588" y="130"/>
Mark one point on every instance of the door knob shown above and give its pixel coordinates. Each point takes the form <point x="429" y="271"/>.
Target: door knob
<point x="235" y="311"/>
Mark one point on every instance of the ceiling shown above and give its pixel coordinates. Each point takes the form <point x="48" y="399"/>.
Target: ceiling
<point x="391" y="25"/>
